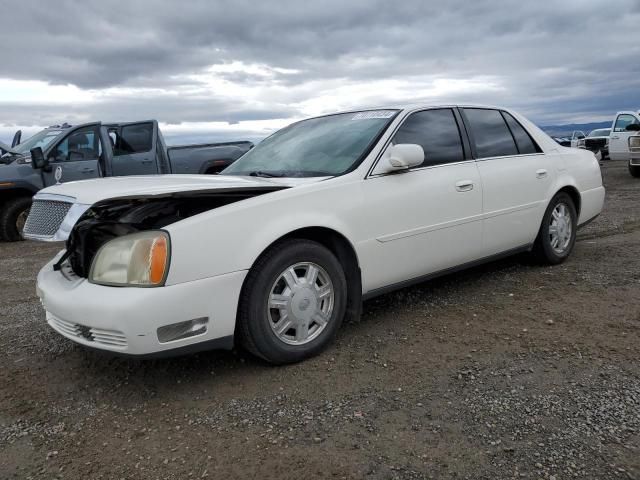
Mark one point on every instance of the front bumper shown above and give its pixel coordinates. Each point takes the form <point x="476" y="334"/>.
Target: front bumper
<point x="125" y="320"/>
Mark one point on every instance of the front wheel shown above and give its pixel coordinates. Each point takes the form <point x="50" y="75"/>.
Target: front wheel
<point x="13" y="215"/>
<point x="634" y="170"/>
<point x="292" y="303"/>
<point x="557" y="234"/>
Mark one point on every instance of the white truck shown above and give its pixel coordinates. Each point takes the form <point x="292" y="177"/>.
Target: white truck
<point x="624" y="142"/>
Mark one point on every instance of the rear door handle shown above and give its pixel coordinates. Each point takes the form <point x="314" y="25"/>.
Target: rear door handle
<point x="541" y="173"/>
<point x="147" y="162"/>
<point x="615" y="138"/>
<point x="464" y="185"/>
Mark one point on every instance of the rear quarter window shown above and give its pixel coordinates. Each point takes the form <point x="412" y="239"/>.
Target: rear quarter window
<point x="524" y="142"/>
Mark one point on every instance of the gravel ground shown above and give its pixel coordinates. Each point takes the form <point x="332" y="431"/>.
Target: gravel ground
<point x="505" y="371"/>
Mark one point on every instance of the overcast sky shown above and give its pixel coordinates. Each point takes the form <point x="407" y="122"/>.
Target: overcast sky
<point x="240" y="69"/>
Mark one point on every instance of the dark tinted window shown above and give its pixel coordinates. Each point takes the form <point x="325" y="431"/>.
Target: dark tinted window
<point x="437" y="132"/>
<point x="523" y="139"/>
<point x="490" y="132"/>
<point x="136" y="138"/>
<point x="77" y="146"/>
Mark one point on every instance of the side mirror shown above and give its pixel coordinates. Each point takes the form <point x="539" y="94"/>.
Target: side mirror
<point x="400" y="157"/>
<point x="633" y="127"/>
<point x="37" y="159"/>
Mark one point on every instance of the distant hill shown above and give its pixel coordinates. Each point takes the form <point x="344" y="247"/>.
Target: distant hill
<point x="564" y="130"/>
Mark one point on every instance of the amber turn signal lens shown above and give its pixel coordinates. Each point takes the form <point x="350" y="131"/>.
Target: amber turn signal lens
<point x="158" y="263"/>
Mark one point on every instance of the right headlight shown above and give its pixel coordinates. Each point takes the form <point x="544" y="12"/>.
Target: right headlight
<point x="136" y="260"/>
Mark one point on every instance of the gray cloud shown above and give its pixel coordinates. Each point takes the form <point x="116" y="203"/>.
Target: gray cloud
<point x="554" y="60"/>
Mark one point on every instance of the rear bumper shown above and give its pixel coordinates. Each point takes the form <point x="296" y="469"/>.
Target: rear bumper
<point x="125" y="320"/>
<point x="591" y="202"/>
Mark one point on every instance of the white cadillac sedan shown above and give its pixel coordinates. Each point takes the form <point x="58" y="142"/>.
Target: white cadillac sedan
<point x="276" y="251"/>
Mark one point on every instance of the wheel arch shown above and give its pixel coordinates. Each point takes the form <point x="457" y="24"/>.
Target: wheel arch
<point x="574" y="194"/>
<point x="346" y="254"/>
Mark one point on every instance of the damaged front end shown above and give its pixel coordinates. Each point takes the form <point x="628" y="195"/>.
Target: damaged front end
<point x="116" y="217"/>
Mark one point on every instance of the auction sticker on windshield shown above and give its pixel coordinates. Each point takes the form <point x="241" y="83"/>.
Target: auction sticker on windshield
<point x="373" y="114"/>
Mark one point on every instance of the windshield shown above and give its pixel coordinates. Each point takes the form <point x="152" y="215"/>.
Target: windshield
<point x="603" y="132"/>
<point x="317" y="147"/>
<point x="41" y="139"/>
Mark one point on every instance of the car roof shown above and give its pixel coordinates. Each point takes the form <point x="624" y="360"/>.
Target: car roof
<point x="419" y="106"/>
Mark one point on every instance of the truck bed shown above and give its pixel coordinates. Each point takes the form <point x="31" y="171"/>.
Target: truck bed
<point x="205" y="158"/>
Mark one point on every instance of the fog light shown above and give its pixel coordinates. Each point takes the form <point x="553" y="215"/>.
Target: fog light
<point x="178" y="331"/>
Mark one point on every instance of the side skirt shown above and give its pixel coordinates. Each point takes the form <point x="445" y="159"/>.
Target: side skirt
<point x="446" y="271"/>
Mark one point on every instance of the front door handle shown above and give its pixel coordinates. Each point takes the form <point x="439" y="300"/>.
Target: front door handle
<point x="146" y="161"/>
<point x="464" y="185"/>
<point x="615" y="138"/>
<point x="541" y="173"/>
<point x="88" y="170"/>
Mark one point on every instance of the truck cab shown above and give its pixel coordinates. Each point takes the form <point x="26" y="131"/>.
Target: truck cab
<point x="624" y="142"/>
<point x="93" y="150"/>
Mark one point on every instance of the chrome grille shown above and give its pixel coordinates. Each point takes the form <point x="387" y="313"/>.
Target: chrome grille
<point x="108" y="338"/>
<point x="45" y="217"/>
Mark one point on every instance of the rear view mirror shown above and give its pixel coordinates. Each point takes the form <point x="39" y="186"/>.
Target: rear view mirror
<point x="633" y="127"/>
<point x="37" y="159"/>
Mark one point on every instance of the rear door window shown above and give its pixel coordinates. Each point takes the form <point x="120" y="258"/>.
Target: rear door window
<point x="437" y="132"/>
<point x="490" y="133"/>
<point x="130" y="139"/>
<point x="524" y="142"/>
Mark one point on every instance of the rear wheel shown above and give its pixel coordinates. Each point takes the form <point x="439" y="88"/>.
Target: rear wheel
<point x="557" y="234"/>
<point x="634" y="170"/>
<point x="292" y="303"/>
<point x="13" y="215"/>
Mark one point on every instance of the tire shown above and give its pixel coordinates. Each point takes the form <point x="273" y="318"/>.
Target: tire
<point x="544" y="250"/>
<point x="12" y="216"/>
<point x="272" y="277"/>
<point x="634" y="170"/>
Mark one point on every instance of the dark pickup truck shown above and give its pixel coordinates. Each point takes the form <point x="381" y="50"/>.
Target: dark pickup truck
<point x="97" y="150"/>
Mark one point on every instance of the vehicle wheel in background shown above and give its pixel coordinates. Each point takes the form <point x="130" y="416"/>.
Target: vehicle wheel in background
<point x="634" y="171"/>
<point x="292" y="303"/>
<point x="13" y="215"/>
<point x="557" y="234"/>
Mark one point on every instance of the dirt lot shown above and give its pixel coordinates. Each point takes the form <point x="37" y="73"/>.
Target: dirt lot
<point x="505" y="371"/>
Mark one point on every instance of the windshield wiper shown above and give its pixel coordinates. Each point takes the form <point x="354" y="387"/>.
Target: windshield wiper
<point x="262" y="173"/>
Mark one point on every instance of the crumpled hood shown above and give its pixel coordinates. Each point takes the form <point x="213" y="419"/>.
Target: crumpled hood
<point x="88" y="192"/>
